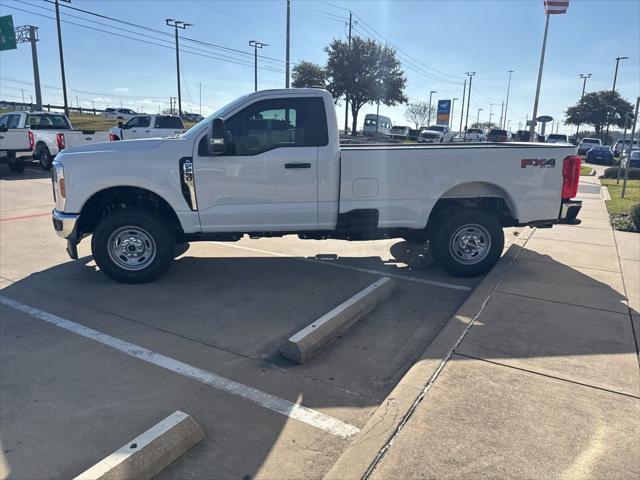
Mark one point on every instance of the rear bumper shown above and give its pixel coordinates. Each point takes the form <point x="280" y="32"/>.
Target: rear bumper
<point x="569" y="210"/>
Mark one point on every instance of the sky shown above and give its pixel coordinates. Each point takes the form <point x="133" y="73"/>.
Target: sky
<point x="437" y="42"/>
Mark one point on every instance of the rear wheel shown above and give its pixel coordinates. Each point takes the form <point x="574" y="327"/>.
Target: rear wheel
<point x="133" y="246"/>
<point x="467" y="243"/>
<point x="16" y="165"/>
<point x="44" y="157"/>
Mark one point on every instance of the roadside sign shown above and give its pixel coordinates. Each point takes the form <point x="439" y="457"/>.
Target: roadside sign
<point x="444" y="110"/>
<point x="544" y="118"/>
<point x="7" y="33"/>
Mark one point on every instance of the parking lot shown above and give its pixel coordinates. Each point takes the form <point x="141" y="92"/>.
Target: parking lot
<point x="203" y="339"/>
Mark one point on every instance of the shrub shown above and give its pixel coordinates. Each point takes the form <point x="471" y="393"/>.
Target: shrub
<point x="612" y="172"/>
<point x="634" y="212"/>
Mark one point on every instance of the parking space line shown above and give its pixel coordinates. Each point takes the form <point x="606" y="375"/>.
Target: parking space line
<point x="331" y="263"/>
<point x="24" y="217"/>
<point x="271" y="402"/>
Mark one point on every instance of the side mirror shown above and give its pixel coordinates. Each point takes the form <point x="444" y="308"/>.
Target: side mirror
<point x="216" y="144"/>
<point x="120" y="125"/>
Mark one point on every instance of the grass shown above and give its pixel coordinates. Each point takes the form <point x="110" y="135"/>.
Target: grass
<point x="619" y="207"/>
<point x="586" y="170"/>
<point x="99" y="123"/>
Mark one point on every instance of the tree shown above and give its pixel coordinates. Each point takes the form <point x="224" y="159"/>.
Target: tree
<point x="364" y="72"/>
<point x="418" y="113"/>
<point x="485" y="126"/>
<point x="599" y="109"/>
<point x="308" y="74"/>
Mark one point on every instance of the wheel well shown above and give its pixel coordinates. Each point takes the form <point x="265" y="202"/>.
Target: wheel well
<point x="40" y="144"/>
<point x="495" y="205"/>
<point x="105" y="201"/>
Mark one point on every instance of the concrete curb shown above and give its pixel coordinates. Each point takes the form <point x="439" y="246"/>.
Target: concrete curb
<point x="374" y="438"/>
<point x="604" y="193"/>
<point x="310" y="340"/>
<point x="148" y="454"/>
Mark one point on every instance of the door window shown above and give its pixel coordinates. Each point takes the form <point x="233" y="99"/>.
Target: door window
<point x="140" y="122"/>
<point x="269" y="124"/>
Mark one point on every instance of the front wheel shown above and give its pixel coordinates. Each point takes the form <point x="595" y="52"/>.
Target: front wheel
<point x="467" y="243"/>
<point x="133" y="246"/>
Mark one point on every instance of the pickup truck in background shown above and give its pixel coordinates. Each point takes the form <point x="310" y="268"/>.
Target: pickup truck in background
<point x="13" y="143"/>
<point x="270" y="164"/>
<point x="50" y="133"/>
<point x="148" y="126"/>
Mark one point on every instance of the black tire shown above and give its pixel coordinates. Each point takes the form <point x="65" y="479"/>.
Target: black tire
<point x="16" y="165"/>
<point x="156" y="234"/>
<point x="44" y="157"/>
<point x="449" y="247"/>
<point x="181" y="249"/>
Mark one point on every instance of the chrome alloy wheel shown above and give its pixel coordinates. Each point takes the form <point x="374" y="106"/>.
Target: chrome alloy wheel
<point x="131" y="248"/>
<point x="470" y="244"/>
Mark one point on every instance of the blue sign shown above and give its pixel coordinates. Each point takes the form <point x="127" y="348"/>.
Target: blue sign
<point x="444" y="110"/>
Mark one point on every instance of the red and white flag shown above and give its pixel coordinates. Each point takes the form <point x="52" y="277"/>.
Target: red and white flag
<point x="555" y="6"/>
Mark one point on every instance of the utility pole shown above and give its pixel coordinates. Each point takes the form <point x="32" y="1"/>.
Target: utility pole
<point x="501" y="113"/>
<point x="256" y="45"/>
<point x="624" y="142"/>
<point x="429" y="109"/>
<point x="584" y="77"/>
<point x="64" y="80"/>
<point x="633" y="133"/>
<point x="466" y="122"/>
<point x="176" y="24"/>
<point x="346" y="101"/>
<point x="615" y="78"/>
<point x="506" y="103"/>
<point x="33" y="38"/>
<point x="532" y="128"/>
<point x="490" y="114"/>
<point x="478" y="117"/>
<point x="288" y="50"/>
<point x="453" y="104"/>
<point x="464" y="91"/>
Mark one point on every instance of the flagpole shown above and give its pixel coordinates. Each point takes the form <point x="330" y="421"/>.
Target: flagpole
<point x="532" y="129"/>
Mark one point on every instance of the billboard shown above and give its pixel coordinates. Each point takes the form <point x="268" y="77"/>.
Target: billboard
<point x="444" y="110"/>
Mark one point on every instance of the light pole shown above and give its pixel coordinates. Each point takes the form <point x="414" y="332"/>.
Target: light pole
<point x="490" y="114"/>
<point x="615" y="78"/>
<point x="64" y="79"/>
<point x="464" y="91"/>
<point x="453" y="103"/>
<point x="506" y="103"/>
<point x="584" y="77"/>
<point x="429" y="109"/>
<point x="256" y="45"/>
<point x="176" y="24"/>
<point x="288" y="45"/>
<point x="478" y="117"/>
<point x="466" y="121"/>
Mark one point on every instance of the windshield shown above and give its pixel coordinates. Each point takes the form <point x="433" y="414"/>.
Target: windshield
<point x="591" y="140"/>
<point x="436" y="128"/>
<point x="557" y="137"/>
<point x="221" y="112"/>
<point x="474" y="130"/>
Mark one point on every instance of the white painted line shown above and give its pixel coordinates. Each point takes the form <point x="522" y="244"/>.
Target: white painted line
<point x="148" y="454"/>
<point x="310" y="340"/>
<point x="333" y="263"/>
<point x="280" y="405"/>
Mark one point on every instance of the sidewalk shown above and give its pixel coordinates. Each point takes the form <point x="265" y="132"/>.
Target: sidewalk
<point x="545" y="382"/>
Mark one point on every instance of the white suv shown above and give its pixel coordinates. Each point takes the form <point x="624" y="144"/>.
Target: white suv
<point x="119" y="113"/>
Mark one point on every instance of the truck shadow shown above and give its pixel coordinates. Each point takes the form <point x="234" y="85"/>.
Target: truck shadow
<point x="32" y="171"/>
<point x="244" y="307"/>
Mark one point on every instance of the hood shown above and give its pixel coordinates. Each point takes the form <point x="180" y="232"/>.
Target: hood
<point x="122" y="145"/>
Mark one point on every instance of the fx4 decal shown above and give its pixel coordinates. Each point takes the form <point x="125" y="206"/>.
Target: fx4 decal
<point x="538" y="162"/>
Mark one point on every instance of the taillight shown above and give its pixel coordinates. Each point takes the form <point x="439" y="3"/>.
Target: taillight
<point x="32" y="141"/>
<point x="570" y="176"/>
<point x="113" y="138"/>
<point x="60" y="140"/>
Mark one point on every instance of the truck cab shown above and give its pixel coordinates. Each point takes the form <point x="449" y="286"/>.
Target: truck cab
<point x="147" y="126"/>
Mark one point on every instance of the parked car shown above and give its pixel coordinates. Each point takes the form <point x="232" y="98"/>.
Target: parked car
<point x="376" y="125"/>
<point x="618" y="147"/>
<point x="119" y="113"/>
<point x="192" y="117"/>
<point x="634" y="161"/>
<point x="414" y="134"/>
<point x="148" y="126"/>
<point x="14" y="142"/>
<point x="260" y="174"/>
<point x="600" y="154"/>
<point x="586" y="143"/>
<point x="446" y="135"/>
<point x="497" y="135"/>
<point x="429" y="136"/>
<point x="473" y="135"/>
<point x="50" y="133"/>
<point x="399" y="132"/>
<point x="557" y="138"/>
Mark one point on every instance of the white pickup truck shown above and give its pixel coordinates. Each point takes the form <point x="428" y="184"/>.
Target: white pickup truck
<point x="270" y="164"/>
<point x="50" y="133"/>
<point x="13" y="143"/>
<point x="148" y="126"/>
